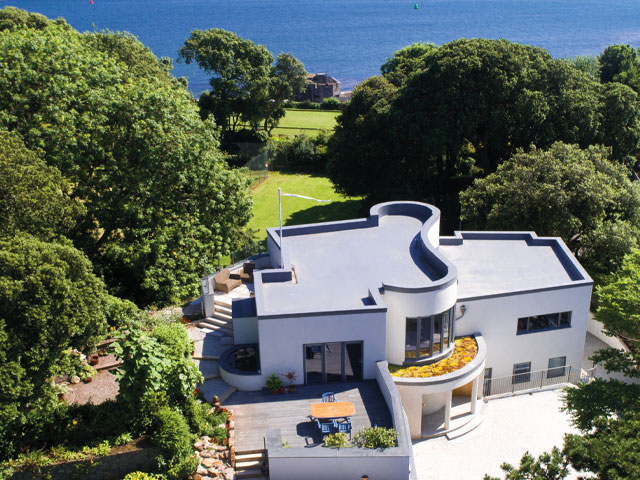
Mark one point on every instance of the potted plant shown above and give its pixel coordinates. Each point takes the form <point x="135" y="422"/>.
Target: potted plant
<point x="291" y="377"/>
<point x="273" y="383"/>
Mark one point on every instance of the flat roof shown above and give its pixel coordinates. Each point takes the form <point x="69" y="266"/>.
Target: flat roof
<point x="334" y="270"/>
<point x="493" y="264"/>
<point x="340" y="266"/>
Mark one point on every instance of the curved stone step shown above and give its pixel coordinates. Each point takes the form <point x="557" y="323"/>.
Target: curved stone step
<point x="216" y="386"/>
<point x="209" y="368"/>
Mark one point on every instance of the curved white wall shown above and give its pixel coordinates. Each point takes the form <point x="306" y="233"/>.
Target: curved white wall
<point x="401" y="305"/>
<point x="245" y="383"/>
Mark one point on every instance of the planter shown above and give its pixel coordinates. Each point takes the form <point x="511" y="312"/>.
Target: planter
<point x="88" y="380"/>
<point x="93" y="359"/>
<point x="273" y="391"/>
<point x="292" y="388"/>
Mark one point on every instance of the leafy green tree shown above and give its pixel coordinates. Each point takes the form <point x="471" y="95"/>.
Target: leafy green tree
<point x="34" y="197"/>
<point x="564" y="191"/>
<point x="161" y="203"/>
<point x="619" y="301"/>
<point x="614" y="60"/>
<point x="406" y="61"/>
<point x="50" y="300"/>
<point x="12" y="17"/>
<point x="470" y="105"/>
<point x="288" y="78"/>
<point x="241" y="72"/>
<point x="548" y="466"/>
<point x="587" y="64"/>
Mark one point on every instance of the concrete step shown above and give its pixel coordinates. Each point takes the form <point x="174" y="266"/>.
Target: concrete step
<point x="253" y="473"/>
<point x="249" y="464"/>
<point x="205" y="357"/>
<point x="209" y="368"/>
<point x="466" y="428"/>
<point x="223" y="322"/>
<point x="222" y="309"/>
<point x="251" y="457"/>
<point x="222" y="303"/>
<point x="216" y="386"/>
<point x="214" y="327"/>
<point x="222" y="316"/>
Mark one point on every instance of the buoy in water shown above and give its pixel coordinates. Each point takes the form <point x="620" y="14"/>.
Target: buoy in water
<point x="416" y="6"/>
<point x="90" y="2"/>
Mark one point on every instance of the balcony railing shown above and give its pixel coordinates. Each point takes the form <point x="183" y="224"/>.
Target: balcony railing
<point x="541" y="379"/>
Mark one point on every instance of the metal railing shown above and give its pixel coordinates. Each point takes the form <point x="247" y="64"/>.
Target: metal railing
<point x="522" y="382"/>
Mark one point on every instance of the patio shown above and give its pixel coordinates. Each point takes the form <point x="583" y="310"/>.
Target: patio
<point x="256" y="412"/>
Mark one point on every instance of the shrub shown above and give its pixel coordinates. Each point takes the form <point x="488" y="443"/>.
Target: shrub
<point x="141" y="476"/>
<point x="375" y="437"/>
<point x="301" y="154"/>
<point x="204" y="421"/>
<point x="336" y="440"/>
<point x="172" y="435"/>
<point x="331" y="103"/>
<point x="273" y="382"/>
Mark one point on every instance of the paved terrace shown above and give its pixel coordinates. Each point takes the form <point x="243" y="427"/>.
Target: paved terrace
<point x="256" y="412"/>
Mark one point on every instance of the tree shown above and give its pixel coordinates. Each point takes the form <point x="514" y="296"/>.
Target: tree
<point x="406" y="61"/>
<point x="587" y="64"/>
<point x="564" y="191"/>
<point x="241" y="72"/>
<point x="288" y="78"/>
<point x="34" y="198"/>
<point x="161" y="203"/>
<point x="619" y="301"/>
<point x="548" y="466"/>
<point x="12" y="17"/>
<point x="50" y="300"/>
<point x="466" y="109"/>
<point x="614" y="60"/>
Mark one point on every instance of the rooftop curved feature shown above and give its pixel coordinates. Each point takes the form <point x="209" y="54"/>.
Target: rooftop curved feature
<point x="342" y="266"/>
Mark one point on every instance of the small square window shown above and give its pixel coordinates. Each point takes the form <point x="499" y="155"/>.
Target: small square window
<point x="521" y="372"/>
<point x="565" y="319"/>
<point x="557" y="367"/>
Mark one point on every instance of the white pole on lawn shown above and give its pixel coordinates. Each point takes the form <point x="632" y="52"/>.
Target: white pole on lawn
<point x="281" y="238"/>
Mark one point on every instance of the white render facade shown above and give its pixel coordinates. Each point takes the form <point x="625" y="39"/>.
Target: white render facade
<point x="342" y="296"/>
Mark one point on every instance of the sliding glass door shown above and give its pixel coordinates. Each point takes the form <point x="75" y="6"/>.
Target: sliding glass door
<point x="333" y="362"/>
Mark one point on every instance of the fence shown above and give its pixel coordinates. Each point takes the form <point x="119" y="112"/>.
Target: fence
<point x="521" y="382"/>
<point x="258" y="167"/>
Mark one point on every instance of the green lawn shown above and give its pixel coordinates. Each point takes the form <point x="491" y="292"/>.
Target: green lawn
<point x="296" y="211"/>
<point x="296" y="122"/>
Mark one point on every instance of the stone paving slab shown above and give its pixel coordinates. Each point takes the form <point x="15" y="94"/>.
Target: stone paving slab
<point x="209" y="368"/>
<point x="218" y="387"/>
<point x="208" y="345"/>
<point x="512" y="425"/>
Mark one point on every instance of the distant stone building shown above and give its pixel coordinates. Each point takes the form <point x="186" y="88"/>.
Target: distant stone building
<point x="320" y="86"/>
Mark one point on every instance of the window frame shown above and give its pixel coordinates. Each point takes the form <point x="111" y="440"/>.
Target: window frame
<point x="435" y="352"/>
<point x="562" y="368"/>
<point x="520" y="375"/>
<point x="555" y="323"/>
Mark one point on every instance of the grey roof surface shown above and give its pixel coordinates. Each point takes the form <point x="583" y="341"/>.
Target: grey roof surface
<point x="335" y="269"/>
<point x="340" y="266"/>
<point x="491" y="266"/>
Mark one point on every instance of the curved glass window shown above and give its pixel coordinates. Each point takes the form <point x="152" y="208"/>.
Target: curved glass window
<point x="428" y="336"/>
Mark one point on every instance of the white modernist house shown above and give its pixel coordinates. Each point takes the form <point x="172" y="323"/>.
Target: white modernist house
<point x="332" y="299"/>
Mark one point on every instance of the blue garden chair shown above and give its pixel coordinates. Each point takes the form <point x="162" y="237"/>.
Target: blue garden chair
<point x="328" y="397"/>
<point x="325" y="428"/>
<point x="344" y="427"/>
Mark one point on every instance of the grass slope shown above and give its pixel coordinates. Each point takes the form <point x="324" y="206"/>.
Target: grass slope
<point x="296" y="122"/>
<point x="297" y="211"/>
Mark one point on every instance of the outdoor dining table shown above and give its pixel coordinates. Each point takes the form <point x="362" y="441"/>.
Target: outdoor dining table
<point x="332" y="410"/>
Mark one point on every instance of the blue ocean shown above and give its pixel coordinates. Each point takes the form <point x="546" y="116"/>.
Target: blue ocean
<point x="350" y="39"/>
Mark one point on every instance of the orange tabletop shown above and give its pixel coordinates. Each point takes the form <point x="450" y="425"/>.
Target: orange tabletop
<point x="332" y="410"/>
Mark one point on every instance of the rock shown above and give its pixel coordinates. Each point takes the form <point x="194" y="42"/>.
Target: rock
<point x="197" y="476"/>
<point x="75" y="380"/>
<point x="229" y="474"/>
<point x="201" y="470"/>
<point x="208" y="454"/>
<point x="208" y="462"/>
<point x="205" y="439"/>
<point x="232" y="425"/>
<point x="220" y="448"/>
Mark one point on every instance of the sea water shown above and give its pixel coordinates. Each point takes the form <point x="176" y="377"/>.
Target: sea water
<point x="350" y="39"/>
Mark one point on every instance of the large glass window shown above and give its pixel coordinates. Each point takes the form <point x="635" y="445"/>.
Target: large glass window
<point x="333" y="362"/>
<point x="548" y="321"/>
<point x="428" y="336"/>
